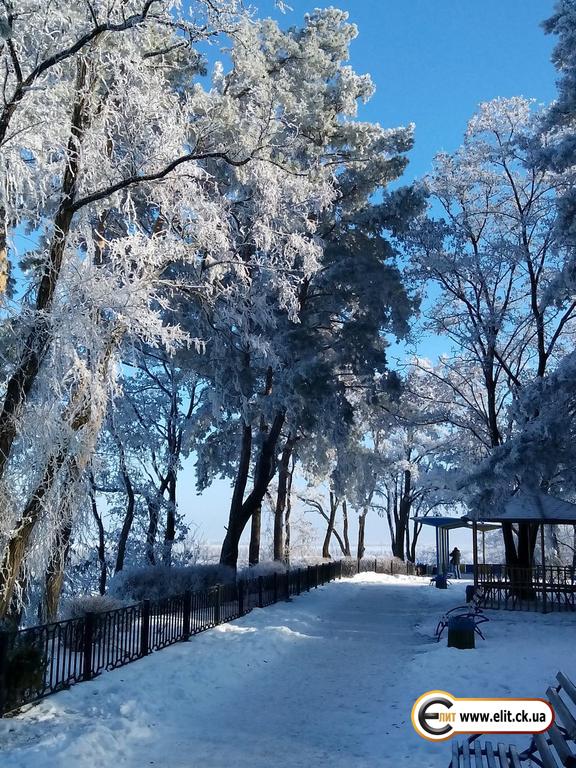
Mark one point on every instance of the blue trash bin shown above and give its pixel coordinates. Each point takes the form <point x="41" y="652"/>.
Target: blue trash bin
<point x="441" y="582"/>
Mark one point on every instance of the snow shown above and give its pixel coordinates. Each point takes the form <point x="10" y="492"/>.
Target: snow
<point x="331" y="676"/>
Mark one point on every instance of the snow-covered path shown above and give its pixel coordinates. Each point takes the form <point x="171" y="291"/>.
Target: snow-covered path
<point x="330" y="677"/>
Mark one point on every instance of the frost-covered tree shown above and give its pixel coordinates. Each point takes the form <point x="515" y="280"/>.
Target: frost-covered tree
<point x="496" y="261"/>
<point x="128" y="174"/>
<point x="285" y="359"/>
<point x="541" y="446"/>
<point x="397" y="463"/>
<point x="560" y="119"/>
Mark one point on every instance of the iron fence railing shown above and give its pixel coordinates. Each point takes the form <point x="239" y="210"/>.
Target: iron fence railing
<point x="41" y="660"/>
<point x="548" y="588"/>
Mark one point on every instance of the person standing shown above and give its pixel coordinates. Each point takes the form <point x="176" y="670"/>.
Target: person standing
<point x="455" y="561"/>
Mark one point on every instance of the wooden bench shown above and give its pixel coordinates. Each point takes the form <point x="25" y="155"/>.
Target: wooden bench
<point x="554" y="749"/>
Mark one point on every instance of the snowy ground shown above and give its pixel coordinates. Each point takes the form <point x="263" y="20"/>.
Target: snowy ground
<point x="329" y="678"/>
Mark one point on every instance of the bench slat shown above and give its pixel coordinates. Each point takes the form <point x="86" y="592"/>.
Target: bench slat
<point x="514" y="757"/>
<point x="455" y="755"/>
<point x="548" y="759"/>
<point x="466" y="755"/>
<point x="563" y="712"/>
<point x="478" y="754"/>
<point x="502" y="755"/>
<point x="567" y="685"/>
<point x="560" y="743"/>
<point x="490" y="755"/>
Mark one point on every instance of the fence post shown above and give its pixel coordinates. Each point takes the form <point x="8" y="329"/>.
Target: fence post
<point x="88" y="644"/>
<point x="260" y="592"/>
<point x="4" y="643"/>
<point x="241" y="597"/>
<point x="316" y="580"/>
<point x="392" y="567"/>
<point x="217" y="602"/>
<point x="275" y="586"/>
<point x="186" y="611"/>
<point x="375" y="565"/>
<point x="287" y="586"/>
<point x="298" y="574"/>
<point x="145" y="628"/>
<point x="358" y="570"/>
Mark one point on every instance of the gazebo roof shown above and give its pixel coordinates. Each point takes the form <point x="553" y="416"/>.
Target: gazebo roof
<point x="449" y="523"/>
<point x="532" y="506"/>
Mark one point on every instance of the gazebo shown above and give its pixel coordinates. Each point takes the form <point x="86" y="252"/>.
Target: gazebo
<point x="538" y="586"/>
<point x="443" y="526"/>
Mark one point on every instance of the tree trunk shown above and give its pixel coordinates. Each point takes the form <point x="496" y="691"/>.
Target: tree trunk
<point x="170" y="534"/>
<point x="254" y="550"/>
<point x="402" y="517"/>
<point x="17" y="546"/>
<point x="174" y="444"/>
<point x="346" y="549"/>
<point x="362" y="533"/>
<point x="411" y="553"/>
<point x="520" y="557"/>
<point x="288" y="513"/>
<point x="153" y="504"/>
<point x="391" y="515"/>
<point x="330" y="528"/>
<point x="129" y="515"/>
<point x="4" y="263"/>
<point x="241" y="512"/>
<point x="101" y="539"/>
<point x="283" y="477"/>
<point x="55" y="573"/>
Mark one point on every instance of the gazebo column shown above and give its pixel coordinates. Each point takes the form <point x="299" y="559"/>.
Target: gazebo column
<point x="543" y="560"/>
<point x="475" y="551"/>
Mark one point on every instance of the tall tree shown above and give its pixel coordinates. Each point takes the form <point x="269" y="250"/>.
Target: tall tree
<point x="492" y="257"/>
<point x="114" y="155"/>
<point x="283" y="368"/>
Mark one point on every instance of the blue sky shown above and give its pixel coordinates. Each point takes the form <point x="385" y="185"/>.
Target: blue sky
<point x="433" y="62"/>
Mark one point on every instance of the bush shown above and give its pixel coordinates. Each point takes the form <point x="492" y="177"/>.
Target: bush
<point x="25" y="669"/>
<point x="266" y="568"/>
<point x="158" y="582"/>
<point x="77" y="607"/>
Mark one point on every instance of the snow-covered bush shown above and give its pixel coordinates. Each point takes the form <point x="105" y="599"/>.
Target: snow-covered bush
<point x="266" y="568"/>
<point x="77" y="607"/>
<point x="157" y="582"/>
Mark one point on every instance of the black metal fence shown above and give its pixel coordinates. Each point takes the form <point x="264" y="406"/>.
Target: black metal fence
<point x="549" y="588"/>
<point x="41" y="660"/>
<point x="385" y="565"/>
